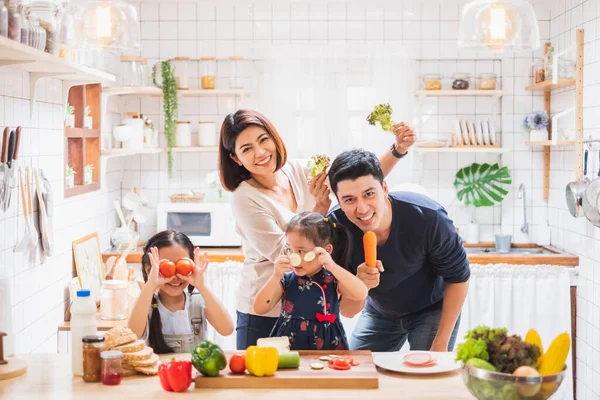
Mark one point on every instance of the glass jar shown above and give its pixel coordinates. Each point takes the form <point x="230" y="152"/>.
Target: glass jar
<point x="3" y="19"/>
<point x="209" y="72"/>
<point x="461" y="81"/>
<point x="14" y="21"/>
<point x="235" y="72"/>
<point x="487" y="81"/>
<point x="182" y="79"/>
<point x="539" y="73"/>
<point x="566" y="69"/>
<point x="24" y="27"/>
<point x="44" y="12"/>
<point x="145" y="73"/>
<point x="92" y="347"/>
<point x="110" y="368"/>
<point x="131" y="71"/>
<point x="432" y="81"/>
<point x="114" y="305"/>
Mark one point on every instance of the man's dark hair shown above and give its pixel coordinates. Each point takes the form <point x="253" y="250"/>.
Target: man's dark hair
<point x="353" y="164"/>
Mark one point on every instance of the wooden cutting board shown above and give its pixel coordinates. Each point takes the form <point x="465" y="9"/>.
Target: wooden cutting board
<point x="363" y="376"/>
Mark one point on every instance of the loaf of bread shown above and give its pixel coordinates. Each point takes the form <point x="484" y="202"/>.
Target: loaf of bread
<point x="118" y="336"/>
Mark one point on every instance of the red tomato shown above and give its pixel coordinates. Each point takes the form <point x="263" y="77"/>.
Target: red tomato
<point x="237" y="363"/>
<point x="167" y="268"/>
<point x="185" y="266"/>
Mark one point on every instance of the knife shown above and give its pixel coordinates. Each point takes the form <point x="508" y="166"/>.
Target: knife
<point x="11" y="149"/>
<point x="17" y="141"/>
<point x="4" y="146"/>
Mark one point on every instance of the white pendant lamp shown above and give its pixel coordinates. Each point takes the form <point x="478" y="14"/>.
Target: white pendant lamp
<point x="499" y="25"/>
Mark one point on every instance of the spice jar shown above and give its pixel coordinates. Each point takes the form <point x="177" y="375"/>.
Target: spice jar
<point x="461" y="81"/>
<point x="181" y="72"/>
<point x="487" y="81"/>
<point x="24" y="27"/>
<point x="234" y="78"/>
<point x="3" y="19"/>
<point x="110" y="369"/>
<point x="539" y="73"/>
<point x="92" y="347"/>
<point x="114" y="305"/>
<point x="432" y="81"/>
<point x="44" y="12"/>
<point x="209" y="72"/>
<point x="14" y="21"/>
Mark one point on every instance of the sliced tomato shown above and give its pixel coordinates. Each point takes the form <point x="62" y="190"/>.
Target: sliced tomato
<point x="340" y="367"/>
<point x="354" y="363"/>
<point x="418" y="358"/>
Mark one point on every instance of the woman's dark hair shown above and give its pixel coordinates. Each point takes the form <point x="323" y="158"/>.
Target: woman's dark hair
<point x="160" y="240"/>
<point x="353" y="164"/>
<point x="321" y="231"/>
<point x="230" y="173"/>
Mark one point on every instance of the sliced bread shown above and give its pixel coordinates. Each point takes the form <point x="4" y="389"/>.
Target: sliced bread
<point x="133" y="347"/>
<point x="148" y="370"/>
<point x="144" y="354"/>
<point x="118" y="336"/>
<point x="151" y="362"/>
<point x="129" y="372"/>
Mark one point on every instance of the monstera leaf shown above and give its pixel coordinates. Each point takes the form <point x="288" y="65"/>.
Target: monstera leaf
<point x="479" y="185"/>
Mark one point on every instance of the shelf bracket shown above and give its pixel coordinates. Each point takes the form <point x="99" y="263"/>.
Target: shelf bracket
<point x="555" y="119"/>
<point x="33" y="80"/>
<point x="6" y="63"/>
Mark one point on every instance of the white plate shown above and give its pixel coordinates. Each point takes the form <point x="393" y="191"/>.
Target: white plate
<point x="395" y="362"/>
<point x="479" y="133"/>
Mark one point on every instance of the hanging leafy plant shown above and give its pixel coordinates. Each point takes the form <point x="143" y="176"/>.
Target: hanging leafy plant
<point x="169" y="89"/>
<point x="479" y="185"/>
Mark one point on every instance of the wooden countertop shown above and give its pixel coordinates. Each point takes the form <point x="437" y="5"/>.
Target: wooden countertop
<point x="49" y="376"/>
<point x="557" y="257"/>
<point x="103" y="325"/>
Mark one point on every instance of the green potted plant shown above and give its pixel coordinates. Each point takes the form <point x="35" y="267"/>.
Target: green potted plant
<point x="87" y="118"/>
<point x="88" y="172"/>
<point x="70" y="116"/>
<point x="169" y="89"/>
<point x="70" y="177"/>
<point x="481" y="185"/>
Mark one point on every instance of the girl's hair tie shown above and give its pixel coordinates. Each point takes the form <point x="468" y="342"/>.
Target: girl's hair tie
<point x="334" y="225"/>
<point x="326" y="219"/>
<point x="154" y="305"/>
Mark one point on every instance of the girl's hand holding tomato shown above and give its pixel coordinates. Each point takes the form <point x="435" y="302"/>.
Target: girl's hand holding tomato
<point x="196" y="278"/>
<point x="159" y="270"/>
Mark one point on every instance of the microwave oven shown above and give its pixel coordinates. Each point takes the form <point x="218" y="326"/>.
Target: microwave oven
<point x="206" y="224"/>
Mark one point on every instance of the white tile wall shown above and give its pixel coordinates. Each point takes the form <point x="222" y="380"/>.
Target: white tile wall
<point x="578" y="235"/>
<point x="38" y="282"/>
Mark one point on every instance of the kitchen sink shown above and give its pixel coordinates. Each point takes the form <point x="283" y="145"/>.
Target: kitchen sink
<point x="513" y="250"/>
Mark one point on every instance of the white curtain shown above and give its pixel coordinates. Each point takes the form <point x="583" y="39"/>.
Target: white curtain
<point x="318" y="97"/>
<point x="521" y="297"/>
<point x="222" y="279"/>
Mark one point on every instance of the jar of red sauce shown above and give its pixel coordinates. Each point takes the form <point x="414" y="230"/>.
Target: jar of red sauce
<point x="111" y="373"/>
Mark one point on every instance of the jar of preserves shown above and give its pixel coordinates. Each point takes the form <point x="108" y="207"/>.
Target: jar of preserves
<point x="432" y="81"/>
<point x="461" y="81"/>
<point x="539" y="73"/>
<point x="110" y="369"/>
<point x="487" y="81"/>
<point x="209" y="72"/>
<point x="92" y="347"/>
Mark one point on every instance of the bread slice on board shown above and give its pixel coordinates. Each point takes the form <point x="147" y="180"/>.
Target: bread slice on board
<point x="151" y="362"/>
<point x="133" y="347"/>
<point x="148" y="370"/>
<point x="129" y="372"/>
<point x="118" y="336"/>
<point x="139" y="355"/>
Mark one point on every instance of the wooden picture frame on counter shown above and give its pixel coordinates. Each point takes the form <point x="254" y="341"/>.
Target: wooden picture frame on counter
<point x="89" y="264"/>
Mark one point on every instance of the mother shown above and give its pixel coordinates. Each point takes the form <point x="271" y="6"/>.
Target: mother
<point x="268" y="190"/>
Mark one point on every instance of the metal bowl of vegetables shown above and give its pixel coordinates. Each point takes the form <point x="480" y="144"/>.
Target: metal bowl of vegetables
<point x="489" y="385"/>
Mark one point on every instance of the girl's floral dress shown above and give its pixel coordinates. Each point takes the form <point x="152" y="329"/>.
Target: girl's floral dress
<point x="310" y="321"/>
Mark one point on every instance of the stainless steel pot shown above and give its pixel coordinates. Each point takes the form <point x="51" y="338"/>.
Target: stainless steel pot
<point x="590" y="199"/>
<point x="575" y="190"/>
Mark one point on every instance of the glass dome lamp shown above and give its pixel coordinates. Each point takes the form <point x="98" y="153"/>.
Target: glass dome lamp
<point x="499" y="25"/>
<point x="109" y="24"/>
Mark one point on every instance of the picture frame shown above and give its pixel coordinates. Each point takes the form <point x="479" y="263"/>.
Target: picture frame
<point x="89" y="265"/>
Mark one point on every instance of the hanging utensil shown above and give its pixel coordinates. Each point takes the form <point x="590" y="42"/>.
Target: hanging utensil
<point x="49" y="203"/>
<point x="590" y="199"/>
<point x="574" y="191"/>
<point x="24" y="242"/>
<point x="8" y="174"/>
<point x="33" y="234"/>
<point x="42" y="216"/>
<point x="3" y="167"/>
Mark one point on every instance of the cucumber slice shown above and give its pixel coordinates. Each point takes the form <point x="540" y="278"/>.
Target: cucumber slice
<point x="290" y="359"/>
<point x="325" y="358"/>
<point x="317" y="365"/>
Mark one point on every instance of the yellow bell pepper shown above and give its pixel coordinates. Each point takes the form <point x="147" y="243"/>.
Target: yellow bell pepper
<point x="262" y="361"/>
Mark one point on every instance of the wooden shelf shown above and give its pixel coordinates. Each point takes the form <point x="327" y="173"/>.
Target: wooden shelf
<point x="81" y="132"/>
<point x="154" y="91"/>
<point x="441" y="93"/>
<point x="111" y="153"/>
<point x="81" y="189"/>
<point x="463" y="149"/>
<point x="547" y="86"/>
<point x="549" y="143"/>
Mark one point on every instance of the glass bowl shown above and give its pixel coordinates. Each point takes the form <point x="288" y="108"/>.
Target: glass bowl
<point x="488" y="385"/>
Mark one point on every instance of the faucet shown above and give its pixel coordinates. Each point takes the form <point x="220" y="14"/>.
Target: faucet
<point x="521" y="194"/>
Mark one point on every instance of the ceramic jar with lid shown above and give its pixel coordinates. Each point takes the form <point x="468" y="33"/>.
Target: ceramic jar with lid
<point x="183" y="135"/>
<point x="207" y="134"/>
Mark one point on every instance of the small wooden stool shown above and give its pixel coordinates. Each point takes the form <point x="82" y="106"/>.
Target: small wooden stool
<point x="11" y="368"/>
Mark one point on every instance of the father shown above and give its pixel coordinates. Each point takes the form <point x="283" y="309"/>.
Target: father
<point x="419" y="286"/>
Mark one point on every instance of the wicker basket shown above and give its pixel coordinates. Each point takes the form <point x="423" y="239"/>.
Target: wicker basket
<point x="186" y="198"/>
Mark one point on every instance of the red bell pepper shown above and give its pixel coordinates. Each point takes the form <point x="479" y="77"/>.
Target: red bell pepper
<point x="175" y="376"/>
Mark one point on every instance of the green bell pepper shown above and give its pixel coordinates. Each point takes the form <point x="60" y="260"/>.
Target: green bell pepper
<point x="208" y="358"/>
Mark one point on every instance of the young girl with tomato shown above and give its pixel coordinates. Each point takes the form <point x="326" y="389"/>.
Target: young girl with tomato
<point x="310" y="281"/>
<point x="169" y="318"/>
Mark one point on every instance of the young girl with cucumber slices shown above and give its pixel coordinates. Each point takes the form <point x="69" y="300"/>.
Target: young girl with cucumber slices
<point x="310" y="281"/>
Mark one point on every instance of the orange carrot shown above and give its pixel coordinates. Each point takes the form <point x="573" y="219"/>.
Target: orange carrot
<point x="370" y="245"/>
